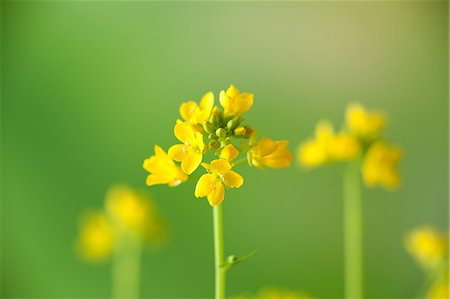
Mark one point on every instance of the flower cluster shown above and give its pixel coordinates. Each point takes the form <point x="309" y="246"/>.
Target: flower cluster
<point x="361" y="137"/>
<point x="127" y="213"/>
<point x="429" y="248"/>
<point x="206" y="128"/>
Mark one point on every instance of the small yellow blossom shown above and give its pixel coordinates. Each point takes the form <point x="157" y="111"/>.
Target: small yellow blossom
<point x="211" y="185"/>
<point x="276" y="293"/>
<point x="198" y="114"/>
<point x="133" y="211"/>
<point x="234" y="102"/>
<point x="96" y="239"/>
<point x="163" y="169"/>
<point x="427" y="246"/>
<point x="327" y="147"/>
<point x="380" y="165"/>
<point x="439" y="290"/>
<point x="190" y="153"/>
<point x="366" y="125"/>
<point x="229" y="153"/>
<point x="270" y="153"/>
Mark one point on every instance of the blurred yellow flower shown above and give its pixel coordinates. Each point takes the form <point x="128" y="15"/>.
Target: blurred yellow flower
<point x="234" y="102"/>
<point x="229" y="153"/>
<point x="276" y="293"/>
<point x="327" y="147"/>
<point x="96" y="239"/>
<point x="427" y="246"/>
<point x="133" y="211"/>
<point x="190" y="153"/>
<point x="270" y="153"/>
<point x="380" y="165"/>
<point x="198" y="114"/>
<point x="365" y="125"/>
<point x="211" y="185"/>
<point x="439" y="290"/>
<point x="163" y="169"/>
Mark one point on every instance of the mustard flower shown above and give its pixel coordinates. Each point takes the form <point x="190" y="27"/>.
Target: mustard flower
<point x="198" y="114"/>
<point x="270" y="153"/>
<point x="427" y="246"/>
<point x="234" y="102"/>
<point x="212" y="185"/>
<point x="229" y="153"/>
<point x="439" y="290"/>
<point x="163" y="170"/>
<point x="380" y="165"/>
<point x="96" y="239"/>
<point x="190" y="153"/>
<point x="366" y="125"/>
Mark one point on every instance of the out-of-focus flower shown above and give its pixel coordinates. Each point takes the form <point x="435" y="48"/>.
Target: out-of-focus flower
<point x="234" y="102"/>
<point x="439" y="290"/>
<point x="328" y="147"/>
<point x="211" y="185"/>
<point x="198" y="114"/>
<point x="366" y="125"/>
<point x="427" y="246"/>
<point x="190" y="153"/>
<point x="380" y="166"/>
<point x="270" y="153"/>
<point x="163" y="170"/>
<point x="96" y="238"/>
<point x="276" y="293"/>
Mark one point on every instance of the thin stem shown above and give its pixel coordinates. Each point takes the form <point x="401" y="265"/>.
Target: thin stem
<point x="126" y="267"/>
<point x="219" y="253"/>
<point x="353" y="232"/>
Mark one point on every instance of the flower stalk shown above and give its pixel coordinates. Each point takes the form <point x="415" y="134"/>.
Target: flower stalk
<point x="353" y="232"/>
<point x="219" y="257"/>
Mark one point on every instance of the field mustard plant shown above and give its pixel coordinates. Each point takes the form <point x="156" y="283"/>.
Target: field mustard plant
<point x="361" y="144"/>
<point x="429" y="248"/>
<point x="128" y="221"/>
<point x="207" y="129"/>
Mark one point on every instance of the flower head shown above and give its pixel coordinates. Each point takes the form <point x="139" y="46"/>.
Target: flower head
<point x="365" y="125"/>
<point x="234" y="102"/>
<point x="380" y="165"/>
<point x="427" y="246"/>
<point x="270" y="153"/>
<point x="190" y="153"/>
<point x="212" y="185"/>
<point x="96" y="239"/>
<point x="163" y="170"/>
<point x="198" y="114"/>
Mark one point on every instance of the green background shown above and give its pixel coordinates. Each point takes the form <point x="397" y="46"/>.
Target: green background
<point x="90" y="87"/>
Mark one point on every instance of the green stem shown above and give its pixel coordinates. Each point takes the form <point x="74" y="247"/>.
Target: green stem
<point x="126" y="267"/>
<point x="353" y="232"/>
<point x="219" y="253"/>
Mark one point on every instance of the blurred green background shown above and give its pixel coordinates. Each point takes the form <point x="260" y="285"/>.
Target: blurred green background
<point x="90" y="87"/>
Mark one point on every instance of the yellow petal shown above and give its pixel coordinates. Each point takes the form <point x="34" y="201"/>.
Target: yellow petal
<point x="205" y="184"/>
<point x="207" y="102"/>
<point x="312" y="154"/>
<point x="265" y="146"/>
<point x="229" y="152"/>
<point x="154" y="179"/>
<point x="220" y="166"/>
<point x="187" y="109"/>
<point x="184" y="132"/>
<point x="217" y="194"/>
<point x="191" y="162"/>
<point x="232" y="179"/>
<point x="178" y="152"/>
<point x="159" y="151"/>
<point x="245" y="102"/>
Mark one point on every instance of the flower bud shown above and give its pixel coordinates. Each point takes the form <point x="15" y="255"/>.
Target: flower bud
<point x="214" y="144"/>
<point x="221" y="133"/>
<point x="240" y="131"/>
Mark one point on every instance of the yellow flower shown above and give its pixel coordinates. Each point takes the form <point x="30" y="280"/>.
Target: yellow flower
<point x="366" y="125"/>
<point x="229" y="152"/>
<point x="427" y="246"/>
<point x="163" y="170"/>
<point x="328" y="146"/>
<point x="134" y="212"/>
<point x="211" y="185"/>
<point x="190" y="153"/>
<point x="234" y="102"/>
<point x="270" y="153"/>
<point x="439" y="290"/>
<point x="96" y="239"/>
<point x="198" y="114"/>
<point x="276" y="293"/>
<point x="380" y="165"/>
